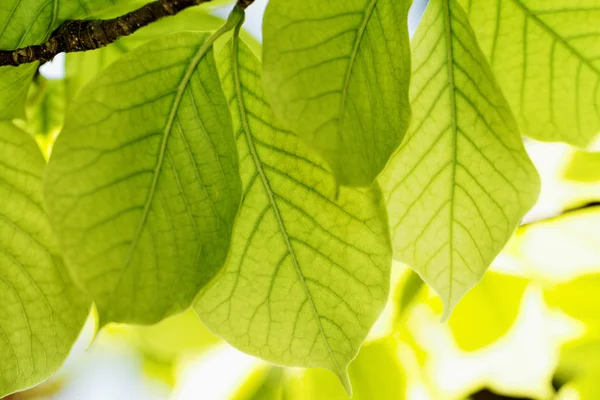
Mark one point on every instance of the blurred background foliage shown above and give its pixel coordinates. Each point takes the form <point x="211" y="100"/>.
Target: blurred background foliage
<point x="529" y="330"/>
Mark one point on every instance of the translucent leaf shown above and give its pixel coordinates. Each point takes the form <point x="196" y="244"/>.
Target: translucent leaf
<point x="45" y="108"/>
<point x="487" y="312"/>
<point x="375" y="374"/>
<point x="461" y="181"/>
<point x="578" y="298"/>
<point x="41" y="311"/>
<point x="143" y="184"/>
<point x="337" y="73"/>
<point x="22" y="23"/>
<point x="584" y="166"/>
<point x="545" y="55"/>
<point x="82" y="67"/>
<point x="307" y="275"/>
<point x="561" y="248"/>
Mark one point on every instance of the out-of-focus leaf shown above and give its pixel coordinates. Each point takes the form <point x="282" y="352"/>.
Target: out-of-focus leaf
<point x="560" y="248"/>
<point x="173" y="336"/>
<point x="265" y="383"/>
<point x="375" y="374"/>
<point x="487" y="312"/>
<point x="579" y="368"/>
<point x="45" y="108"/>
<point x="584" y="167"/>
<point x="579" y="299"/>
<point x="407" y="292"/>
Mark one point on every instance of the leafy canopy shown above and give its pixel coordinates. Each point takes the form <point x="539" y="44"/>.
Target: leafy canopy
<point x="271" y="195"/>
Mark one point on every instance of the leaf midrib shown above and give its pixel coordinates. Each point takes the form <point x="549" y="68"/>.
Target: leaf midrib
<point x="270" y="193"/>
<point x="198" y="56"/>
<point x="451" y="84"/>
<point x="357" y="42"/>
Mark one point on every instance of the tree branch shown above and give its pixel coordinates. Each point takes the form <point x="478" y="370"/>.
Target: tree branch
<point x="74" y="36"/>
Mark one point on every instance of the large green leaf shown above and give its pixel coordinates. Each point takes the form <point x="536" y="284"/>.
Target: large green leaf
<point x="545" y="55"/>
<point x="307" y="275"/>
<point x="337" y="74"/>
<point x="143" y="184"/>
<point x="461" y="181"/>
<point x="41" y="311"/>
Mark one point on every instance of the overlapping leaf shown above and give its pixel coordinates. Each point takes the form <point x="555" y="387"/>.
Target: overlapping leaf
<point x="307" y="275"/>
<point x="337" y="73"/>
<point x="545" y="55"/>
<point x="143" y="185"/>
<point x="461" y="181"/>
<point x="22" y="23"/>
<point x="41" y="311"/>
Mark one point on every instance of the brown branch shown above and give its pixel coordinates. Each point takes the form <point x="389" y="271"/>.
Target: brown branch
<point x="75" y="36"/>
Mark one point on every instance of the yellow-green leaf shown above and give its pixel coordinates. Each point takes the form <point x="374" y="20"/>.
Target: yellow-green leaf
<point x="461" y="181"/>
<point x="337" y="73"/>
<point x="143" y="184"/>
<point x="487" y="312"/>
<point x="545" y="55"/>
<point x="41" y="311"/>
<point x="584" y="166"/>
<point x="307" y="275"/>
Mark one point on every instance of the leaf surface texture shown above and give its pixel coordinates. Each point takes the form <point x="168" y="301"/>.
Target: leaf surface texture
<point x="461" y="181"/>
<point x="143" y="185"/>
<point x="41" y="311"/>
<point x="337" y="73"/>
<point x="307" y="275"/>
<point x="545" y="55"/>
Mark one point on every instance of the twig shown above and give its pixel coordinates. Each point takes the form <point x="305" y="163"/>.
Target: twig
<point x="74" y="36"/>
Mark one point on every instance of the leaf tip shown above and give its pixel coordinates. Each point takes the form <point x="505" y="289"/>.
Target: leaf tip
<point x="345" y="380"/>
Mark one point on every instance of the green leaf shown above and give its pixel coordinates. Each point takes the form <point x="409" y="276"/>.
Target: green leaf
<point x="376" y="374"/>
<point x="307" y="275"/>
<point x="408" y="291"/>
<point x="578" y="299"/>
<point x="143" y="184"/>
<point x="545" y="56"/>
<point x="41" y="311"/>
<point x="22" y="23"/>
<point x="461" y="181"/>
<point x="82" y="67"/>
<point x="95" y="9"/>
<point x="559" y="249"/>
<point x="337" y="74"/>
<point x="584" y="166"/>
<point x="487" y="312"/>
